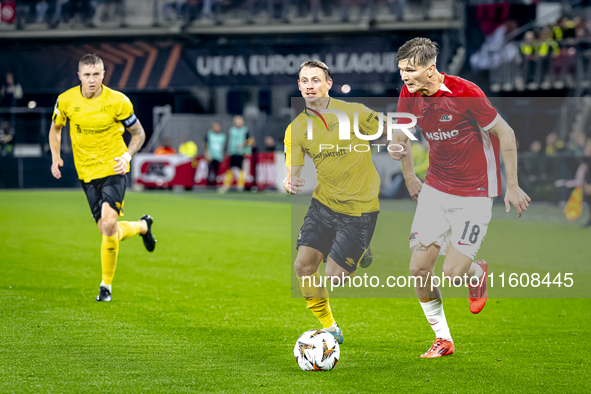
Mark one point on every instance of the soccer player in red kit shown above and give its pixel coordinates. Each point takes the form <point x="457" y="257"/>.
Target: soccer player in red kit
<point x="465" y="134"/>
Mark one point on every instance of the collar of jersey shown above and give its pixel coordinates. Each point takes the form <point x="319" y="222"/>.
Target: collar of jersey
<point x="100" y="95"/>
<point x="315" y="115"/>
<point x="443" y="89"/>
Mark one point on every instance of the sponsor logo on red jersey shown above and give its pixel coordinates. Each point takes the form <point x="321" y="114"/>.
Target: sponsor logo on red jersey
<point x="441" y="135"/>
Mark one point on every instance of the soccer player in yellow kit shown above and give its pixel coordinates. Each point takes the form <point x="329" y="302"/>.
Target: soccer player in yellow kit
<point x="344" y="209"/>
<point x="98" y="118"/>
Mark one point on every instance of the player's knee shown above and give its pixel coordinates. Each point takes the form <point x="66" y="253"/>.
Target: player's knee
<point x="303" y="267"/>
<point x="337" y="280"/>
<point x="109" y="226"/>
<point x="419" y="270"/>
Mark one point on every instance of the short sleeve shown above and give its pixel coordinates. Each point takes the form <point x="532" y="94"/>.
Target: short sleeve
<point x="479" y="108"/>
<point x="59" y="113"/>
<point x="294" y="155"/>
<point x="125" y="114"/>
<point x="369" y="120"/>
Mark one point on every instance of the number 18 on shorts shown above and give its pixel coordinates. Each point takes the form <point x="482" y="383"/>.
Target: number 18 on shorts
<point x="443" y="218"/>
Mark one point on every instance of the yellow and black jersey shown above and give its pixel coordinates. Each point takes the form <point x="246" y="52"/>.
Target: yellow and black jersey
<point x="96" y="128"/>
<point x="348" y="182"/>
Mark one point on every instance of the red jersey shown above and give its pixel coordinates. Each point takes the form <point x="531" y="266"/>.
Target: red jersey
<point x="463" y="155"/>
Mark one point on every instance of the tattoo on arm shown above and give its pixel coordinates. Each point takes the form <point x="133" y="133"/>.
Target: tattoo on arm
<point x="137" y="139"/>
<point x="508" y="150"/>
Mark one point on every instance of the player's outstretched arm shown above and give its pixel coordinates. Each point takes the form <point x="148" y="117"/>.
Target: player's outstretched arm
<point x="292" y="183"/>
<point x="514" y="195"/>
<point x="55" y="140"/>
<point x="138" y="136"/>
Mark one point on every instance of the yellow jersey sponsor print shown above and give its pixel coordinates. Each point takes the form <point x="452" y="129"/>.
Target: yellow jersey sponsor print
<point x="96" y="129"/>
<point x="348" y="182"/>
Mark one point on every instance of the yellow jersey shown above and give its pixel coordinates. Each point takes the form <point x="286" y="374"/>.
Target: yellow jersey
<point x="348" y="182"/>
<point x="96" y="129"/>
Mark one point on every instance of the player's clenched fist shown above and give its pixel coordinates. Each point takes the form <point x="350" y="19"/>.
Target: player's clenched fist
<point x="293" y="185"/>
<point x="55" y="168"/>
<point x="397" y="151"/>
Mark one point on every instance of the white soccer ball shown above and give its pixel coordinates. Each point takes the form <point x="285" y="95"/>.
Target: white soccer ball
<point x="316" y="350"/>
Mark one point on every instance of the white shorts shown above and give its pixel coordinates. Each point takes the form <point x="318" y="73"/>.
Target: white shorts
<point x="442" y="218"/>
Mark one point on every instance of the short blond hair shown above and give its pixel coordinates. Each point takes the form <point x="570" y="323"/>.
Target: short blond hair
<point x="90" y="59"/>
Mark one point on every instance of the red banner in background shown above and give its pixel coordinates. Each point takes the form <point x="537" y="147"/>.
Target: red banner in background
<point x="265" y="170"/>
<point x="155" y="171"/>
<point x="165" y="172"/>
<point x="202" y="169"/>
<point x="7" y="11"/>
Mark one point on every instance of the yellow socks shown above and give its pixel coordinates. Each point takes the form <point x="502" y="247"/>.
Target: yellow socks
<point x="128" y="230"/>
<point x="317" y="298"/>
<point x="109" y="251"/>
<point x="229" y="175"/>
<point x="228" y="178"/>
<point x="241" y="180"/>
<point x="110" y="248"/>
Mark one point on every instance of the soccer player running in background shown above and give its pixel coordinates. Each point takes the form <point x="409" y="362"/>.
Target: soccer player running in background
<point x="238" y="143"/>
<point x="98" y="118"/>
<point x="344" y="209"/>
<point x="455" y="203"/>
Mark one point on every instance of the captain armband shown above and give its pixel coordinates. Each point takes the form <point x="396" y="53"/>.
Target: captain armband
<point x="129" y="121"/>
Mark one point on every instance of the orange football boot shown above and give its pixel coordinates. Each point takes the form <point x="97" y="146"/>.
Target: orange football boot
<point x="441" y="347"/>
<point x="479" y="293"/>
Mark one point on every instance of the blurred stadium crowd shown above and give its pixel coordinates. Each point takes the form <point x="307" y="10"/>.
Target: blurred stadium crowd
<point x="92" y="13"/>
<point x="554" y="55"/>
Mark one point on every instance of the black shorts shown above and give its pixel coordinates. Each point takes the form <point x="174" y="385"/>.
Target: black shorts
<point x="236" y="161"/>
<point x="212" y="172"/>
<point x="110" y="189"/>
<point x="345" y="238"/>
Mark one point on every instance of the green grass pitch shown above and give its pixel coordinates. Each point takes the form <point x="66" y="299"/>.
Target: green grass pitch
<point x="211" y="309"/>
